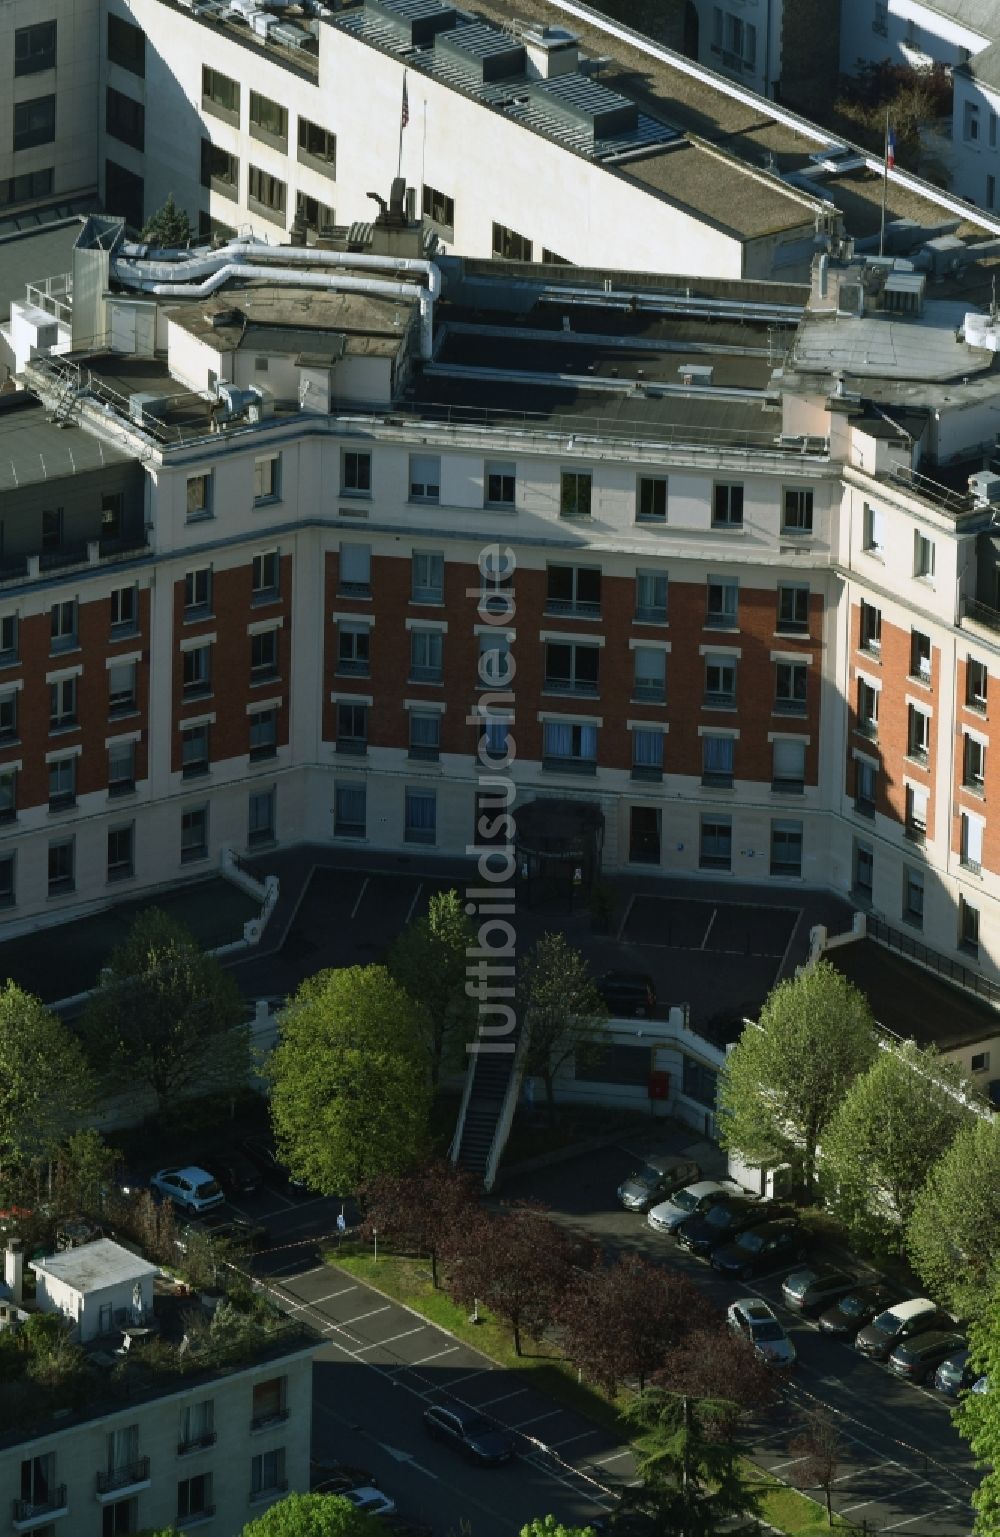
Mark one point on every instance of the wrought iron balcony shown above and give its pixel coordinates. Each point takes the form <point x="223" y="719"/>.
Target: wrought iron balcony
<point x="115" y="1480"/>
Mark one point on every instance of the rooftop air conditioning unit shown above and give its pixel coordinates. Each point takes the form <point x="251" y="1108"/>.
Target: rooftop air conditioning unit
<point x="290" y="35"/>
<point x="984" y="488"/>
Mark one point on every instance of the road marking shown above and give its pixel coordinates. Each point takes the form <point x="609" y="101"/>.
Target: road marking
<point x="795" y="929"/>
<point x="715" y="914"/>
<point x="360" y="897"/>
<point x="776" y="1467"/>
<point x="314" y="1302"/>
<point x="846" y="1511"/>
<point x="555" y="1445"/>
<point x="377" y="1344"/>
<point x="409" y="912"/>
<point x="857" y="1472"/>
<point x="346" y="1322"/>
<point x="469" y="1376"/>
<point x="523" y="1424"/>
<point x="437" y="1355"/>
<point x="407" y="1457"/>
<point x="924" y="1515"/>
<point x="614" y="1457"/>
<point x="487" y="1402"/>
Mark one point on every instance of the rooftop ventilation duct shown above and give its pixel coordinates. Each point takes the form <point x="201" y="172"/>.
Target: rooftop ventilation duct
<point x="485" y="52"/>
<point x="417" y="22"/>
<point x="551" y="51"/>
<point x="984" y="488"/>
<point x="582" y="103"/>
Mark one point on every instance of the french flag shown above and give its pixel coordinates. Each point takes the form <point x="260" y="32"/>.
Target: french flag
<point x="890" y="148"/>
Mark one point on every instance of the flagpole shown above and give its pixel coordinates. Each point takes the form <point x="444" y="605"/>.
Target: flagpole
<point x="885" y="185"/>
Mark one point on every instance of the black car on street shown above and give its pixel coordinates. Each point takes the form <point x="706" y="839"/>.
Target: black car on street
<point x="469" y="1432"/>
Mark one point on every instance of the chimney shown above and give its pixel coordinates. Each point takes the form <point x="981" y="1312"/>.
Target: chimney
<point x="13" y="1269"/>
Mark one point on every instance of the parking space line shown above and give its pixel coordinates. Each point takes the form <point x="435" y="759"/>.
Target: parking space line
<point x="776" y="1467"/>
<point x="436" y="1357"/>
<point x="858" y="1472"/>
<point x="468" y="1378"/>
<point x="924" y="1515"/>
<point x="582" y="1436"/>
<point x="846" y="1509"/>
<point x="314" y="1302"/>
<point x="488" y="1402"/>
<point x="628" y="913"/>
<point x="614" y="1457"/>
<point x="346" y="1322"/>
<point x="416" y="899"/>
<point x="377" y="1344"/>
<point x="715" y="914"/>
<point x="360" y="897"/>
<point x="523" y="1424"/>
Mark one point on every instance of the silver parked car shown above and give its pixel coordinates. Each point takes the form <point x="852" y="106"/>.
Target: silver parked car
<point x="691" y="1201"/>
<point x="657" y="1177"/>
<point x="754" y="1321"/>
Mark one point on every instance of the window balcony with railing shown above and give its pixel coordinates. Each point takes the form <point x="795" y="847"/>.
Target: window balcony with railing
<point x="717" y="779"/>
<point x="351" y="747"/>
<point x="867" y="728"/>
<point x="569" y="765"/>
<point x="270" y="1417"/>
<point x="649" y="690"/>
<point x="973" y="866"/>
<point x="257" y="1496"/>
<point x="572" y="608"/>
<point x="786" y="706"/>
<point x="586" y="687"/>
<point x="197" y="1443"/>
<point x="116" y="1482"/>
<point x="195" y="1518"/>
<point x="916" y="832"/>
<point x="646" y="772"/>
<point x="27" y="1515"/>
<point x="720" y="699"/>
<point x="788" y="785"/>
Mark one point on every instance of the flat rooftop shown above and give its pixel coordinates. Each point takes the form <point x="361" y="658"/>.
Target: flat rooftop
<point x="280" y="320"/>
<point x="920" y="348"/>
<point x="724" y="189"/>
<point x="915" y="1003"/>
<point x="93" y="1267"/>
<point x="33" y="448"/>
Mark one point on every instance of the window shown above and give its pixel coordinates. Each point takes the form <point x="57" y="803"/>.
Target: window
<point x="220" y="170"/>
<point x="425" y="735"/>
<point x="980" y="1062"/>
<point x="871" y="628"/>
<point x="923" y="557"/>
<point x="650" y="679"/>
<point x="425" y="478"/>
<point x="873" y="531"/>
<point x="267" y="1473"/>
<point x="194" y="750"/>
<point x="973" y="763"/>
<point x="575" y="490"/>
<point x="651" y="499"/>
<point x="8" y="639"/>
<point x="198" y="593"/>
<point x="62" y="704"/>
<point x="509" y="246"/>
<point x="426" y="648"/>
<point x="355" y="473"/>
<point x="263" y="734"/>
<point x="968" y="926"/>
<point x="61" y="867"/>
<point x="786" y="848"/>
<point x="349" y="811"/>
<point x="353" y="649"/>
<point x="197" y="1426"/>
<point x="266" y="194"/>
<point x="199" y="496"/>
<point x="265" y="573"/>
<point x="124" y="610"/>
<point x="727" y="504"/>
<point x="220" y="95"/>
<point x="62" y="625"/>
<point x="716" y="844"/>
<point x="495" y="664"/>
<point x="421" y="816"/>
<point x="427" y="577"/>
<point x="352" y="728"/>
<point x="260" y="818"/>
<point x="717" y="757"/>
<point x="125" y="192"/>
<point x="915" y="826"/>
<point x="268" y="122"/>
<point x="194" y="834"/>
<point x="500" y="483"/>
<point x="793" y="608"/>
<point x="8" y="890"/>
<point x="574" y="590"/>
<point x="569" y="746"/>
<point x="62" y="784"/>
<point x="723" y="596"/>
<point x="26" y="186"/>
<point x="867" y="723"/>
<point x="313" y="214"/>
<point x="976" y="684"/>
<point x="355" y="570"/>
<point x="317" y="147"/>
<point x="194" y="1497"/>
<point x="35" y="48"/>
<point x="571" y="669"/>
<point x="8" y="716"/>
<point x="720" y="682"/>
<point x="864" y="865"/>
<point x="918" y="733"/>
<point x="121" y="768"/>
<point x="651" y="597"/>
<point x="34" y="122"/>
<point x="52" y="529"/>
<point x="920" y="656"/>
<point x="864" y="786"/>
<point x="647" y="753"/>
<point x="788" y="766"/>
<point x="122" y="688"/>
<point x="264" y="656"/>
<point x="127" y="45"/>
<point x="797" y="511"/>
<point x="120" y="852"/>
<point x="970" y="125"/>
<point x="971" y="848"/>
<point x="8" y="795"/>
<point x="790" y="686"/>
<point x="125" y="119"/>
<point x="197" y="671"/>
<point x="438" y="207"/>
<point x="266" y="479"/>
<point x="120" y="1519"/>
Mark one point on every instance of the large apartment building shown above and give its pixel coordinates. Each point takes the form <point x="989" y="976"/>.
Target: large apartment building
<point x="48" y="86"/>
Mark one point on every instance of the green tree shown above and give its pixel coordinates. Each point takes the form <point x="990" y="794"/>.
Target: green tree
<point x="978" y="1415"/>
<point x="886" y="1135"/>
<point x="548" y="1526"/>
<point x="313" y="1515"/>
<point x="428" y="960"/>
<point x="83" y="1171"/>
<point x="350" y="1093"/>
<point x="166" y="1016"/>
<point x="784" y="1080"/>
<point x="953" y="1236"/>
<point x="561" y="1011"/>
<point x="168" y="227"/>
<point x="691" y="1471"/>
<point x="45" y="1082"/>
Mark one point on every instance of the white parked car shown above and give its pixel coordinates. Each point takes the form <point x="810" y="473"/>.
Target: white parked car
<point x="371" y="1500"/>
<point x="692" y="1201"/>
<point x="192" y="1188"/>
<point x="754" y="1321"/>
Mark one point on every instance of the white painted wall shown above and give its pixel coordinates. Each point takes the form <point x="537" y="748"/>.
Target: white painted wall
<point x="914" y="34"/>
<point x="73" y="154"/>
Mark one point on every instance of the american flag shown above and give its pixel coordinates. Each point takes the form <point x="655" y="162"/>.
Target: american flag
<point x="890" y="148"/>
<point x="404" y="116"/>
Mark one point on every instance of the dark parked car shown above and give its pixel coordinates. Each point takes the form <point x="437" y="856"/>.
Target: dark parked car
<point x="808" y="1290"/>
<point x="858" y="1308"/>
<point x="260" y="1151"/>
<point x="898" y="1324"/>
<point x="238" y="1231"/>
<point x="626" y="993"/>
<point x="469" y="1432"/>
<point x="955" y="1374"/>
<point x="236" y="1174"/>
<point x="760" y="1250"/>
<point x="920" y="1357"/>
<point x="658" y="1177"/>
<point x="721" y="1223"/>
<point x="334" y="1477"/>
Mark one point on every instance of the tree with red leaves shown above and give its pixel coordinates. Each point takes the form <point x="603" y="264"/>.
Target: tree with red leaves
<point x="644" y="1312"/>
<point x="715" y="1366"/>
<point x="420" y="1212"/>
<point x="518" y="1263"/>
